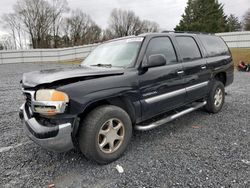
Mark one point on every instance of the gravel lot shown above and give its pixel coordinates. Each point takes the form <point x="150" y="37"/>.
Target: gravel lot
<point x="197" y="150"/>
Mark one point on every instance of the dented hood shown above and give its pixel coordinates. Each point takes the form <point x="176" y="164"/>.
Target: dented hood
<point x="33" y="79"/>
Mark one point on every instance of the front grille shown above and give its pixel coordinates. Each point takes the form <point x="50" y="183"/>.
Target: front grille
<point x="28" y="99"/>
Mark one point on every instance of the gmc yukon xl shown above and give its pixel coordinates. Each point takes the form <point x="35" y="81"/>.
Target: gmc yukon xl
<point x="133" y="83"/>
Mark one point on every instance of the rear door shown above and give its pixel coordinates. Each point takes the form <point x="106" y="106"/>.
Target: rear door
<point x="195" y="70"/>
<point x="218" y="55"/>
<point x="162" y="88"/>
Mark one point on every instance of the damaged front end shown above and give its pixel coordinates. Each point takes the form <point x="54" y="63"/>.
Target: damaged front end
<point x="50" y="115"/>
<point x="49" y="132"/>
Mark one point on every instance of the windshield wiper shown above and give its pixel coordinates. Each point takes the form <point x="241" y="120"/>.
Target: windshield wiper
<point x="102" y="65"/>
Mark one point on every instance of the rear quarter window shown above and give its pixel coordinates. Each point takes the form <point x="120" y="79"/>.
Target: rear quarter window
<point x="214" y="45"/>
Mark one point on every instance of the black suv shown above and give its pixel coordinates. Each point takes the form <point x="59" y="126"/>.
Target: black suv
<point x="137" y="82"/>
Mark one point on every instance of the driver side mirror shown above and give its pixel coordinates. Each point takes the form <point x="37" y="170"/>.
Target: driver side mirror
<point x="155" y="60"/>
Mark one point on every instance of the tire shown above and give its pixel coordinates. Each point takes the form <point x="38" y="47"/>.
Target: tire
<point x="97" y="127"/>
<point x="215" y="101"/>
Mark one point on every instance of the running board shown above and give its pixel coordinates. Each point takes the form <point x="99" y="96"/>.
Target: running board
<point x="169" y="118"/>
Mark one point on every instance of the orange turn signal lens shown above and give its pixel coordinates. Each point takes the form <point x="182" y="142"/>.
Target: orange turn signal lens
<point x="59" y="96"/>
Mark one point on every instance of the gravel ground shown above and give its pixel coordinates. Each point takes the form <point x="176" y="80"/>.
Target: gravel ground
<point x="197" y="150"/>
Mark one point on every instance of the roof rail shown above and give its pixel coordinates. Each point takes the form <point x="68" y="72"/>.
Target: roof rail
<point x="189" y="32"/>
<point x="167" y="31"/>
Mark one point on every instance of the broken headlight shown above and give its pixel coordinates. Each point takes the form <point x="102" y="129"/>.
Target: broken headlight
<point x="50" y="102"/>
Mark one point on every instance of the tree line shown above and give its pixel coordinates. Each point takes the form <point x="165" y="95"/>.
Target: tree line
<point x="52" y="24"/>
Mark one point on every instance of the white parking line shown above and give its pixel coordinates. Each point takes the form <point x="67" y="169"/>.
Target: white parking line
<point x="4" y="149"/>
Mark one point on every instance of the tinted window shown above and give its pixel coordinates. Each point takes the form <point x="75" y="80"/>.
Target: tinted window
<point x="214" y="45"/>
<point x="162" y="45"/>
<point x="188" y="48"/>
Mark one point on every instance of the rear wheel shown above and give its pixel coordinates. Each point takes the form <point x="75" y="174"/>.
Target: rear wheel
<point x="216" y="97"/>
<point x="105" y="134"/>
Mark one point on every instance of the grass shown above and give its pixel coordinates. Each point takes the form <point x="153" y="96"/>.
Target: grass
<point x="240" y="54"/>
<point x="77" y="61"/>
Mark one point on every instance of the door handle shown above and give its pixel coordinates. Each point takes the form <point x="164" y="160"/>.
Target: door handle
<point x="203" y="67"/>
<point x="180" y="72"/>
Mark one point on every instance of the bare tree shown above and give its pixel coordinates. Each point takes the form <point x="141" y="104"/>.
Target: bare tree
<point x="106" y="35"/>
<point x="81" y="29"/>
<point x="92" y="34"/>
<point x="65" y="27"/>
<point x="41" y="19"/>
<point x="59" y="7"/>
<point x="125" y="23"/>
<point x="45" y="23"/>
<point x="7" y="42"/>
<point x="12" y="22"/>
<point x="37" y="16"/>
<point x="150" y="27"/>
<point x="246" y="21"/>
<point x="79" y="23"/>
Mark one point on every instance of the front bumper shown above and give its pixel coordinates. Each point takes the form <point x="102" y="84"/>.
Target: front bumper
<point x="54" y="138"/>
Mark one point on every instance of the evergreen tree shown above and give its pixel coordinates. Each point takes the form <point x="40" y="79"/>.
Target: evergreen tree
<point x="233" y="23"/>
<point x="203" y="16"/>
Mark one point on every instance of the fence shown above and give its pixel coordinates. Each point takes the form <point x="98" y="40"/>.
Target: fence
<point x="233" y="40"/>
<point x="46" y="55"/>
<point x="236" y="39"/>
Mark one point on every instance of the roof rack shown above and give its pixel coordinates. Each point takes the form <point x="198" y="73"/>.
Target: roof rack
<point x="189" y="32"/>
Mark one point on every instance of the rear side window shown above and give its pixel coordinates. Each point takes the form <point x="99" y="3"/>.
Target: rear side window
<point x="189" y="49"/>
<point x="162" y="45"/>
<point x="214" y="45"/>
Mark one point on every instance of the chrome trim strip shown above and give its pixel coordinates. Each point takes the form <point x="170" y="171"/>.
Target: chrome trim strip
<point x="165" y="96"/>
<point x="59" y="106"/>
<point x="175" y="93"/>
<point x="197" y="86"/>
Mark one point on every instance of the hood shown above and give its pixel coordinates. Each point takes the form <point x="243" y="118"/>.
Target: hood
<point x="33" y="79"/>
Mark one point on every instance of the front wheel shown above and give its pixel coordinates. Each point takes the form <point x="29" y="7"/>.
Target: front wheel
<point x="216" y="97"/>
<point x="105" y="134"/>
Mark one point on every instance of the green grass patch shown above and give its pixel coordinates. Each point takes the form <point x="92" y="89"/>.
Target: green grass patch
<point x="240" y="54"/>
<point x="77" y="61"/>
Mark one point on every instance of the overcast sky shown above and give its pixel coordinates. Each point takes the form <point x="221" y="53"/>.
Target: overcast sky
<point x="165" y="12"/>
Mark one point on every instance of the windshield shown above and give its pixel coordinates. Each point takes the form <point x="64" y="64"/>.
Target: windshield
<point x="121" y="53"/>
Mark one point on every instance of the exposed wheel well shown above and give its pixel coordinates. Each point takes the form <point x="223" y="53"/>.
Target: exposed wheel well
<point x="221" y="77"/>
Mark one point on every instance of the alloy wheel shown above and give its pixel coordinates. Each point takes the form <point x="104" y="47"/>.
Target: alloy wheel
<point x="218" y="97"/>
<point x="111" y="135"/>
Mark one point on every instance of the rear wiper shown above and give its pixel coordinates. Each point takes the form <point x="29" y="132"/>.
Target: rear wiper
<point x="102" y="65"/>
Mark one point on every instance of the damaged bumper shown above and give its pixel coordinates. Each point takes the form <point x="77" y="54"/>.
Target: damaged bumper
<point x="54" y="138"/>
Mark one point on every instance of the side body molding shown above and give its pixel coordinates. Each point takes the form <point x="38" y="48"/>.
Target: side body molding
<point x="175" y="93"/>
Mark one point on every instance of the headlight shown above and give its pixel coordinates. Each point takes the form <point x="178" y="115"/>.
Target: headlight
<point x="51" y="95"/>
<point x="50" y="102"/>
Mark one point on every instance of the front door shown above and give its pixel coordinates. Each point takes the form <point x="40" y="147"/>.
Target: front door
<point x="162" y="88"/>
